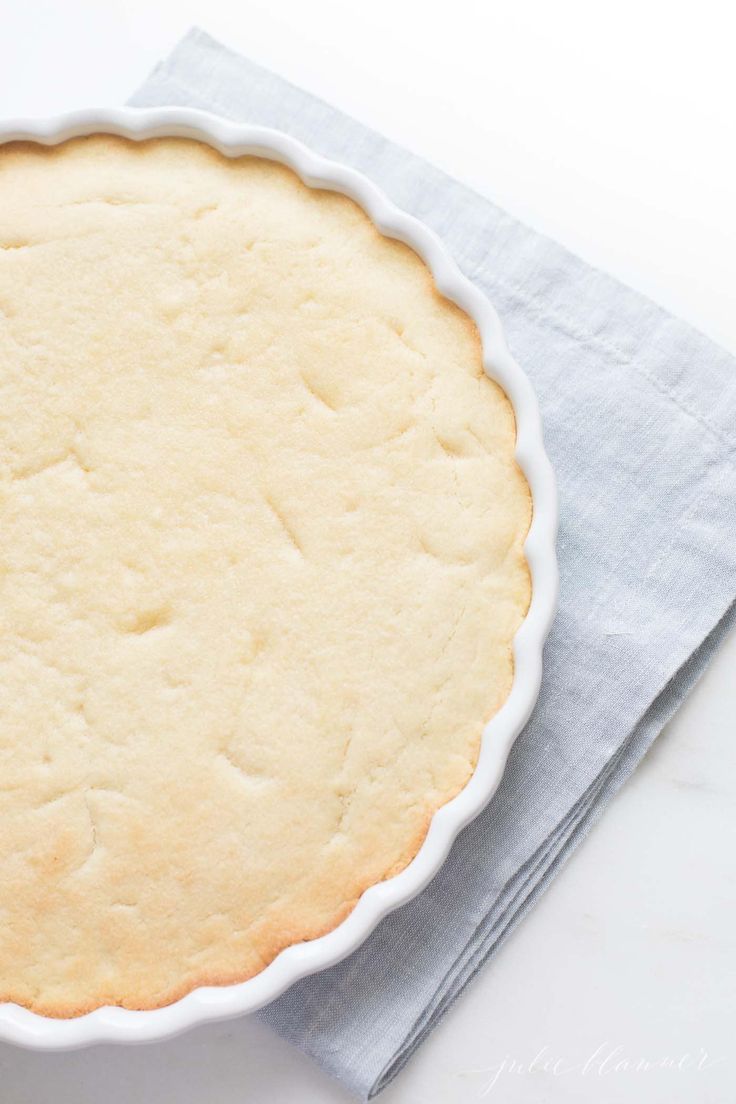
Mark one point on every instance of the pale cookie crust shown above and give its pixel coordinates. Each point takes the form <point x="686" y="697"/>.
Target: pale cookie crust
<point x="261" y="565"/>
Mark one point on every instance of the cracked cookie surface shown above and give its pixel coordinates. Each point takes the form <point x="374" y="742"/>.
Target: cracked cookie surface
<point x="261" y="565"/>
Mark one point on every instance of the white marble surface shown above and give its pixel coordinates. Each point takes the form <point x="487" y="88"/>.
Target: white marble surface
<point x="610" y="127"/>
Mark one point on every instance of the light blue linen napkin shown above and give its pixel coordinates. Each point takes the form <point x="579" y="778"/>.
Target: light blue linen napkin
<point x="640" y="423"/>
